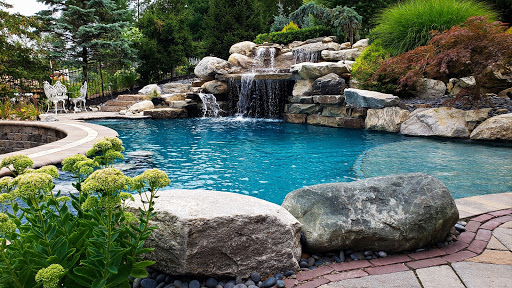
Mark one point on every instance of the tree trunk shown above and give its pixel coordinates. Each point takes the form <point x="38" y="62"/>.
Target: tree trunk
<point x="85" y="64"/>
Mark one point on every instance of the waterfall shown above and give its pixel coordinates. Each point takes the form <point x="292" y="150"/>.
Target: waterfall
<point x="210" y="107"/>
<point x="262" y="54"/>
<point x="244" y="98"/>
<point x="303" y="55"/>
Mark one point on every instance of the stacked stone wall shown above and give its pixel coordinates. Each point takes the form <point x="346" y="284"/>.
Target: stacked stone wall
<point x="14" y="137"/>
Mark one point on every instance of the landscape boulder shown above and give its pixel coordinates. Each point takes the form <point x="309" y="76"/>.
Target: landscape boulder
<point x="303" y="87"/>
<point x="209" y="67"/>
<point x="330" y="84"/>
<point x="338" y="122"/>
<point x="175" y="87"/>
<point x="210" y="233"/>
<point x="150" y="89"/>
<point x="303" y="108"/>
<point x="308" y="70"/>
<point x="244" y="48"/>
<point x="166" y="113"/>
<point x="387" y="119"/>
<point x="495" y="128"/>
<point x="391" y="213"/>
<point x="141" y="106"/>
<point x="369" y="99"/>
<point x="443" y="122"/>
<point x="347" y="54"/>
<point x="455" y="85"/>
<point x="429" y="88"/>
<point x="361" y="44"/>
<point x="215" y="87"/>
<point x="242" y="61"/>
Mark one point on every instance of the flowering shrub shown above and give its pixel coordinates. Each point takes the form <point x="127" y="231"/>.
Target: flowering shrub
<point x="98" y="245"/>
<point x="19" y="111"/>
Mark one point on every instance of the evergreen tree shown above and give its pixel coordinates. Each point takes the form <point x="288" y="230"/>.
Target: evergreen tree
<point x="166" y="41"/>
<point x="90" y="29"/>
<point x="229" y="22"/>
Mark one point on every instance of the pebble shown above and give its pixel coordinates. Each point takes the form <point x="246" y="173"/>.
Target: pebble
<point x="382" y="254"/>
<point x="255" y="276"/>
<point x="169" y="280"/>
<point x="229" y="285"/>
<point x="368" y="257"/>
<point x="460" y="227"/>
<point x="278" y="276"/>
<point x="249" y="283"/>
<point x="348" y="252"/>
<point x="219" y="285"/>
<point x="211" y="283"/>
<point x="303" y="264"/>
<point x="288" y="273"/>
<point x="440" y="245"/>
<point x="160" y="278"/>
<point x="184" y="285"/>
<point x="136" y="283"/>
<point x="177" y="283"/>
<point x="368" y="253"/>
<point x="148" y="283"/>
<point x="420" y="250"/>
<point x="161" y="285"/>
<point x="316" y="257"/>
<point x="280" y="284"/>
<point x="253" y="286"/>
<point x="239" y="280"/>
<point x="311" y="261"/>
<point x="312" y="267"/>
<point x="336" y="259"/>
<point x="357" y="256"/>
<point x="240" y="286"/>
<point x="342" y="256"/>
<point x="194" y="284"/>
<point x="319" y="262"/>
<point x="271" y="281"/>
<point x="260" y="284"/>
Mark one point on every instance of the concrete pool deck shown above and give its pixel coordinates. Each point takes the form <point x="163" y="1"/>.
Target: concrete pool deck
<point x="481" y="258"/>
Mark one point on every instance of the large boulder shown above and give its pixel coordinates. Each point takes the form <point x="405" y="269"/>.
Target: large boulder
<point x="209" y="67"/>
<point x="495" y="128"/>
<point x="166" y="113"/>
<point x="303" y="87"/>
<point x="303" y="108"/>
<point x="348" y="54"/>
<point x="244" y="48"/>
<point x="317" y="47"/>
<point x="338" y="122"/>
<point x="175" y="87"/>
<point x="429" y="88"/>
<point x="284" y="61"/>
<point x="330" y="84"/>
<point x="243" y="61"/>
<point x="455" y="85"/>
<point x="361" y="44"/>
<point x="215" y="87"/>
<point x="369" y="99"/>
<point x="388" y="119"/>
<point x="214" y="233"/>
<point x="308" y="70"/>
<point x="150" y="89"/>
<point x="443" y="122"/>
<point x="141" y="106"/>
<point x="392" y="213"/>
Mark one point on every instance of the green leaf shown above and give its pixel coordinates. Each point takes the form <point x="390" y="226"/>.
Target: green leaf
<point x="99" y="283"/>
<point x="139" y="273"/>
<point x="112" y="269"/>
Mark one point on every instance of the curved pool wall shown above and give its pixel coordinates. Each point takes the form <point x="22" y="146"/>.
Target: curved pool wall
<point x="268" y="158"/>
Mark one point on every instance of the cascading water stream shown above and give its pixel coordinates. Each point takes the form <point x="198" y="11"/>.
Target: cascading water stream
<point x="244" y="98"/>
<point x="210" y="107"/>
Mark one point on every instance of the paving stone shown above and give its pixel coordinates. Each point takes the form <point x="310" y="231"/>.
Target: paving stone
<point x="351" y="265"/>
<point x="477" y="246"/>
<point x="466" y="237"/>
<point x="390" y="260"/>
<point x="345" y="275"/>
<point x="490" y="225"/>
<point x="307" y="275"/>
<point x="427" y="254"/>
<point x="426" y="263"/>
<point x="455" y="247"/>
<point x="495" y="244"/>
<point x="503" y="219"/>
<point x="459" y="256"/>
<point x="484" y="275"/>
<point x="493" y="257"/>
<point x="472" y="226"/>
<point x="439" y="276"/>
<point x="483" y="235"/>
<point x="500" y="213"/>
<point x="290" y="282"/>
<point x="395" y="280"/>
<point x="387" y="269"/>
<point x="507" y="225"/>
<point x="482" y="218"/>
<point x="313" y="284"/>
<point x="504" y="235"/>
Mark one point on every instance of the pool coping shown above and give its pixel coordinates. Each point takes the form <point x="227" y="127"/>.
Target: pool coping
<point x="80" y="137"/>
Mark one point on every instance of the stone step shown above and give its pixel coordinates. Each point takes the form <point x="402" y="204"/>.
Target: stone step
<point x="112" y="108"/>
<point x="131" y="97"/>
<point x="119" y="103"/>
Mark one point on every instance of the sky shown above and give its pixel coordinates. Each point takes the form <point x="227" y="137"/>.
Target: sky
<point x="26" y="7"/>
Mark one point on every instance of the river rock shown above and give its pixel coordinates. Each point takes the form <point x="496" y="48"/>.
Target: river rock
<point x="442" y="121"/>
<point x="361" y="44"/>
<point x="494" y="128"/>
<point x="208" y="67"/>
<point x="387" y="119"/>
<point x="242" y="61"/>
<point x="215" y="87"/>
<point x="330" y="84"/>
<point x="303" y="108"/>
<point x="141" y="106"/>
<point x="303" y="87"/>
<point x="347" y="54"/>
<point x="244" y="48"/>
<point x="149" y="89"/>
<point x="166" y="113"/>
<point x="392" y="213"/>
<point x="310" y="70"/>
<point x="430" y="88"/>
<point x="210" y="233"/>
<point x="369" y="99"/>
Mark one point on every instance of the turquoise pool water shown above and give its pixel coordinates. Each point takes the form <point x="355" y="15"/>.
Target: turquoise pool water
<point x="268" y="159"/>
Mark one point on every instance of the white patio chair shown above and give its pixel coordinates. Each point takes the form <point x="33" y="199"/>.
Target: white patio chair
<point x="82" y="99"/>
<point x="55" y="94"/>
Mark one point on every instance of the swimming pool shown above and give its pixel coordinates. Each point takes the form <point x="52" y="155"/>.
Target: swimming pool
<point x="269" y="158"/>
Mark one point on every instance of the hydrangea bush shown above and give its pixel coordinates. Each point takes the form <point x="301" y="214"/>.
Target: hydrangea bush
<point x="99" y="244"/>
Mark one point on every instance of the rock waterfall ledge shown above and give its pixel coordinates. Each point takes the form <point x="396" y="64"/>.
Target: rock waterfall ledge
<point x="215" y="233"/>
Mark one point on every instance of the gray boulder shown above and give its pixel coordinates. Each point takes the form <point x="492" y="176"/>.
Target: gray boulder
<point x="150" y="89"/>
<point x="244" y="48"/>
<point x="166" y="113"/>
<point x="174" y="87"/>
<point x="392" y="213"/>
<point x="310" y="70"/>
<point x="388" y="119"/>
<point x="495" y="128"/>
<point x="215" y="87"/>
<point x="330" y="84"/>
<point x="347" y="54"/>
<point x="243" y="61"/>
<point x="430" y="88"/>
<point x="208" y="67"/>
<point x="361" y="44"/>
<point x="141" y="106"/>
<point x="303" y="108"/>
<point x="303" y="88"/>
<point x="210" y="233"/>
<point x="369" y="99"/>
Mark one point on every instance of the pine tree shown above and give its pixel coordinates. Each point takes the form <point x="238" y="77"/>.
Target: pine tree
<point x="91" y="29"/>
<point x="229" y="22"/>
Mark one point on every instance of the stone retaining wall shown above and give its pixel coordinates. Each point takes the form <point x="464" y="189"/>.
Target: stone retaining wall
<point x="19" y="136"/>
